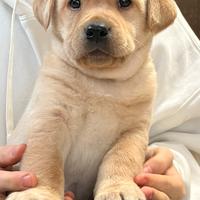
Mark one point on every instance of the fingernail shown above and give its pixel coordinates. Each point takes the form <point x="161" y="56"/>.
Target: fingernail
<point x="147" y="169"/>
<point x="28" y="181"/>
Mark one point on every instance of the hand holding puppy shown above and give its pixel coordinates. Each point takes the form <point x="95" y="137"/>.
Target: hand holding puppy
<point x="16" y="181"/>
<point x="13" y="181"/>
<point x="159" y="179"/>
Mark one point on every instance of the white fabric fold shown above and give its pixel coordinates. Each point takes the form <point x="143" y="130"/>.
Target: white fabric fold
<point x="24" y="7"/>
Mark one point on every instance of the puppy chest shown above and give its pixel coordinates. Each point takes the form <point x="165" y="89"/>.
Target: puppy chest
<point x="100" y="121"/>
<point x="101" y="126"/>
<point x="98" y="128"/>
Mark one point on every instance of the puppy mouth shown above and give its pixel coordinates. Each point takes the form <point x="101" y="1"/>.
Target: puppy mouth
<point x="98" y="59"/>
<point x="98" y="55"/>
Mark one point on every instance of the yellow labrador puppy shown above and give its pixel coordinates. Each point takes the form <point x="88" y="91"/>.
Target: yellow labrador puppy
<point x="87" y="122"/>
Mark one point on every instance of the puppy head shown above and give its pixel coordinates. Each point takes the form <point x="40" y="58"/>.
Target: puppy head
<point x="103" y="34"/>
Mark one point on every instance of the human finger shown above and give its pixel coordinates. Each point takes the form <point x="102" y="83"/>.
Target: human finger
<point x="163" y="183"/>
<point x="16" y="181"/>
<point x="158" y="160"/>
<point x="180" y="189"/>
<point x="69" y="196"/>
<point x="2" y="197"/>
<point x="153" y="194"/>
<point x="10" y="155"/>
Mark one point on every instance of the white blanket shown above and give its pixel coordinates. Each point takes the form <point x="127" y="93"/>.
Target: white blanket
<point x="176" y="53"/>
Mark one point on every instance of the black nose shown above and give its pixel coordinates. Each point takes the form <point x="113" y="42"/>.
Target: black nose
<point x="96" y="32"/>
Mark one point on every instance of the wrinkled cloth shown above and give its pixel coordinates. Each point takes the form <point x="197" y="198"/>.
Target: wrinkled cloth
<point x="176" y="54"/>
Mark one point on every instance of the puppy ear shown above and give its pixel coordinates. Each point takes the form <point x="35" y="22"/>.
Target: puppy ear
<point x="43" y="10"/>
<point x="161" y="13"/>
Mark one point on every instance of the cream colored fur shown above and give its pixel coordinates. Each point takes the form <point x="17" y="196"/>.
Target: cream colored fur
<point x="87" y="123"/>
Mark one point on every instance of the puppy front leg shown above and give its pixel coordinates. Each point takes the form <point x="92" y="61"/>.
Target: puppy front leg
<point x="47" y="148"/>
<point x="119" y="166"/>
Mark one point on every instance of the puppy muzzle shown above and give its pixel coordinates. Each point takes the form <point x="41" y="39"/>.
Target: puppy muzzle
<point x="101" y="38"/>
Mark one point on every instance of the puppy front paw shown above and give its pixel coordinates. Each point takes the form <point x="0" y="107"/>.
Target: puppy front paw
<point x="120" y="191"/>
<point x="34" y="194"/>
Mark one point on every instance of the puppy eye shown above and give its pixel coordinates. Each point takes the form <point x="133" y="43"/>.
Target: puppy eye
<point x="124" y="3"/>
<point x="75" y="4"/>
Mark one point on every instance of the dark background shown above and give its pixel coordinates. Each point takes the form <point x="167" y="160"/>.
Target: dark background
<point x="191" y="11"/>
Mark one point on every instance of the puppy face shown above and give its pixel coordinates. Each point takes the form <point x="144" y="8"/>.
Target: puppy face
<point x="103" y="34"/>
<point x="99" y="34"/>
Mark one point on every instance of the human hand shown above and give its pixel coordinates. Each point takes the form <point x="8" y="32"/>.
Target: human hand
<point x="13" y="180"/>
<point x="16" y="181"/>
<point x="159" y="179"/>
